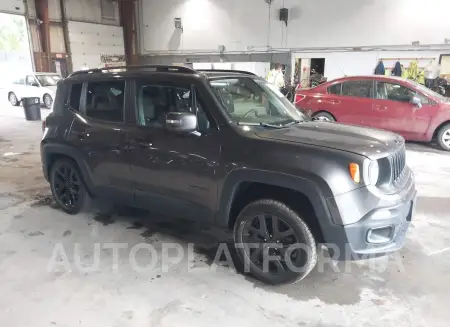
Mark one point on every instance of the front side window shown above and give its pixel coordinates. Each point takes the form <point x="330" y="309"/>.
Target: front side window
<point x="31" y="81"/>
<point x="48" y="80"/>
<point x="105" y="100"/>
<point x="358" y="89"/>
<point x="154" y="101"/>
<point x="254" y="101"/>
<point x="394" y="92"/>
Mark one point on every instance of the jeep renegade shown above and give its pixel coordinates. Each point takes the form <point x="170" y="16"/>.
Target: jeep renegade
<point x="227" y="148"/>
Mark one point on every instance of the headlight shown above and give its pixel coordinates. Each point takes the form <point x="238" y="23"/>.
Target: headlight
<point x="374" y="172"/>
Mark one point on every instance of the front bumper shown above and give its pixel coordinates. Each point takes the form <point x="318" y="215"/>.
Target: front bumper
<point x="378" y="224"/>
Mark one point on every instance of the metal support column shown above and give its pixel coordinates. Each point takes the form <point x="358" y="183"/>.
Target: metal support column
<point x="127" y="11"/>
<point x="44" y="30"/>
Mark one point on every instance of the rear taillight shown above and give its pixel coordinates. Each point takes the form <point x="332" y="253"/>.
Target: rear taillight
<point x="299" y="97"/>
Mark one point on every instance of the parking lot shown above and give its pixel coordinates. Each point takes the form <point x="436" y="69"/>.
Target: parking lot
<point x="50" y="277"/>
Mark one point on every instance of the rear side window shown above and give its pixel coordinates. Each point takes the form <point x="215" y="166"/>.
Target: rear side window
<point x="105" y="100"/>
<point x="75" y="96"/>
<point x="335" y="89"/>
<point x="358" y="89"/>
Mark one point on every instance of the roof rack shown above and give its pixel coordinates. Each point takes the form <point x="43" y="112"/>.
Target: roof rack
<point x="225" y="71"/>
<point x="157" y="68"/>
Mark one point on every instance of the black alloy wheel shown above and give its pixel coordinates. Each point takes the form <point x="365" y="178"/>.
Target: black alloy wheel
<point x="67" y="186"/>
<point x="274" y="243"/>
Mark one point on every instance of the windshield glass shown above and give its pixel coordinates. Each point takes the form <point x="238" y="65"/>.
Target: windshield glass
<point x="425" y="90"/>
<point x="254" y="101"/>
<point x="48" y="80"/>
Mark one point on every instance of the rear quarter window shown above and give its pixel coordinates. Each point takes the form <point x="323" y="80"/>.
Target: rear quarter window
<point x="334" y="89"/>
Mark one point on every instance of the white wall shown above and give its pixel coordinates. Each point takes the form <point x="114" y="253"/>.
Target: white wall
<point x="89" y="41"/>
<point x="339" y="64"/>
<point x="12" y="6"/>
<point x="244" y="24"/>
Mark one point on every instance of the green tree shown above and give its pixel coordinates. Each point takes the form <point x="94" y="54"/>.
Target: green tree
<point x="12" y="33"/>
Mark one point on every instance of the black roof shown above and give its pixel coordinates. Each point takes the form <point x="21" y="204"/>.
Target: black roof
<point x="155" y="69"/>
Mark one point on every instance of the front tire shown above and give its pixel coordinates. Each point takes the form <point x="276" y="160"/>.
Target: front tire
<point x="324" y="116"/>
<point x="67" y="186"/>
<point x="48" y="101"/>
<point x="443" y="137"/>
<point x="270" y="228"/>
<point x="12" y="98"/>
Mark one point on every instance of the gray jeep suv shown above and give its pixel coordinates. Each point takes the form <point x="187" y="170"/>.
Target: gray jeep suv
<point x="227" y="148"/>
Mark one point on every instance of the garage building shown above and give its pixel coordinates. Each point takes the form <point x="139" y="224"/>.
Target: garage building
<point x="90" y="268"/>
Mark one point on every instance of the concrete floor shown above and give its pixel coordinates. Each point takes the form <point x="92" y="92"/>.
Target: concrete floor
<point x="410" y="288"/>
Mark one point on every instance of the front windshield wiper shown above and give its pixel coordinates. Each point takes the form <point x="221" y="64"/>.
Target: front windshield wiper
<point x="294" y="122"/>
<point x="259" y="124"/>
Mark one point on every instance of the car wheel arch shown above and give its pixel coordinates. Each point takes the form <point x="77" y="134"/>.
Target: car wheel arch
<point x="245" y="180"/>
<point x="439" y="127"/>
<point x="53" y="152"/>
<point x="326" y="112"/>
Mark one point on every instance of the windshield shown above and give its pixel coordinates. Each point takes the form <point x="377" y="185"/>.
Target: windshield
<point x="48" y="80"/>
<point x="425" y="90"/>
<point x="250" y="100"/>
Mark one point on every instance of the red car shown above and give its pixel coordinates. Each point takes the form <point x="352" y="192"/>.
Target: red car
<point x="391" y="103"/>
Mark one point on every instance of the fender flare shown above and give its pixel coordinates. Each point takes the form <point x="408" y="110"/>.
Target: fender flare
<point x="309" y="188"/>
<point x="49" y="150"/>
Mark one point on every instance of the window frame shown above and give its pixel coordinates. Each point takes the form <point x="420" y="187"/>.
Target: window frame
<point x="104" y="9"/>
<point x="372" y="94"/>
<point x="163" y="82"/>
<point x="340" y="88"/>
<point x="69" y="96"/>
<point x="83" y="100"/>
<point x="430" y="101"/>
<point x="32" y="76"/>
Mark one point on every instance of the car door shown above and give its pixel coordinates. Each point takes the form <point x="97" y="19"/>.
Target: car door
<point x="18" y="87"/>
<point x="98" y="135"/>
<point x="355" y="103"/>
<point x="398" y="114"/>
<point x="32" y="87"/>
<point x="173" y="173"/>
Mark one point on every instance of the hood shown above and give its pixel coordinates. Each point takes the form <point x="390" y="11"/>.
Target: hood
<point x="372" y="143"/>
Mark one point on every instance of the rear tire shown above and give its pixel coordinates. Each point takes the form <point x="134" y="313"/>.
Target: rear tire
<point x="12" y="98"/>
<point x="443" y="137"/>
<point x="67" y="186"/>
<point x="324" y="116"/>
<point x="48" y="101"/>
<point x="257" y="220"/>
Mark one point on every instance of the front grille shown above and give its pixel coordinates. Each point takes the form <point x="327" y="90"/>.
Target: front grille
<point x="397" y="162"/>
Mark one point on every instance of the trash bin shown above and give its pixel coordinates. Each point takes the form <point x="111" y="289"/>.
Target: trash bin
<point x="32" y="108"/>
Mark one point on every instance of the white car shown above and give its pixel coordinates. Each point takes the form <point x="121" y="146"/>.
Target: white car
<point x="41" y="85"/>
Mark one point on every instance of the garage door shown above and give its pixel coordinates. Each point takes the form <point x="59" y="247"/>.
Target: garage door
<point x="89" y="42"/>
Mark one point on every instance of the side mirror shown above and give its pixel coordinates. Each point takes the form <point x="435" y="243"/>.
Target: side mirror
<point x="184" y="122"/>
<point x="35" y="84"/>
<point x="417" y="102"/>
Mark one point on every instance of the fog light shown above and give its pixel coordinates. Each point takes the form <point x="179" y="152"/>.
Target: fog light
<point x="380" y="235"/>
